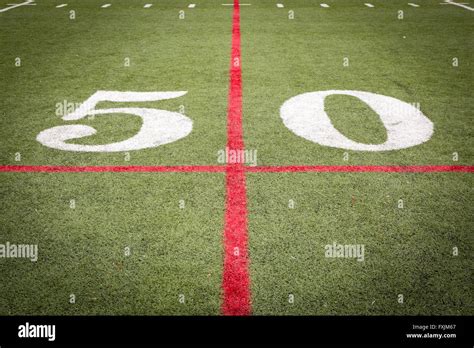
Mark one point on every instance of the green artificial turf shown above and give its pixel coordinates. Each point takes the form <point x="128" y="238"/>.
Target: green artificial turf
<point x="173" y="251"/>
<point x="283" y="58"/>
<point x="64" y="59"/>
<point x="81" y="251"/>
<point x="408" y="250"/>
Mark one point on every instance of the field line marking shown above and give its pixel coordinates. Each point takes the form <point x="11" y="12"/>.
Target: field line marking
<point x="222" y="169"/>
<point x="280" y="5"/>
<point x="112" y="169"/>
<point x="28" y="2"/>
<point x="368" y="5"/>
<point x="235" y="277"/>
<point x="324" y="5"/>
<point x="62" y="5"/>
<point x="191" y="5"/>
<point x="106" y="5"/>
<point x="463" y="5"/>
<point x="413" y="4"/>
<point x="362" y="169"/>
<point x="148" y="5"/>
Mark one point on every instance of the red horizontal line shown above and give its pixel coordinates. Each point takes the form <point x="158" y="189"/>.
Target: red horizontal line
<point x="361" y="169"/>
<point x="119" y="169"/>
<point x="222" y="169"/>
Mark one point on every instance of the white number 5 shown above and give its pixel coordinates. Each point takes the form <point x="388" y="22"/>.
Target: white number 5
<point x="158" y="126"/>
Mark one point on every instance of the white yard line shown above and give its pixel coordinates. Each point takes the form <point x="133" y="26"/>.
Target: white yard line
<point x="368" y="5"/>
<point x="191" y="5"/>
<point x="28" y="2"/>
<point x="106" y="5"/>
<point x="148" y="6"/>
<point x="463" y="5"/>
<point x="280" y="5"/>
<point x="413" y="5"/>
<point x="62" y="5"/>
<point x="325" y="5"/>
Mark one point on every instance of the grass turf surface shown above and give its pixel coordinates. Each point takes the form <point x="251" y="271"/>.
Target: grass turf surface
<point x="65" y="59"/>
<point x="408" y="251"/>
<point x="283" y="58"/>
<point x="173" y="250"/>
<point x="179" y="251"/>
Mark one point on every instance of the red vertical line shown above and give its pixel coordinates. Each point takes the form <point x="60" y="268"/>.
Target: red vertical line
<point x="235" y="279"/>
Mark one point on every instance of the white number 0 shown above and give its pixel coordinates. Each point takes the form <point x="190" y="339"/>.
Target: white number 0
<point x="158" y="126"/>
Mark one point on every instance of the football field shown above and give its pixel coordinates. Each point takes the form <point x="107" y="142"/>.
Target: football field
<point x="208" y="157"/>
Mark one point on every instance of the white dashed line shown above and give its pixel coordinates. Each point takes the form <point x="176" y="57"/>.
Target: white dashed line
<point x="191" y="5"/>
<point x="148" y="5"/>
<point x="106" y="5"/>
<point x="325" y="5"/>
<point x="62" y="5"/>
<point x="280" y="5"/>
<point x="368" y="5"/>
<point x="413" y="5"/>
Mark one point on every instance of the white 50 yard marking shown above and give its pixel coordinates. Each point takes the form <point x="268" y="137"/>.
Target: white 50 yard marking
<point x="159" y="126"/>
<point x="406" y="126"/>
<point x="12" y="6"/>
